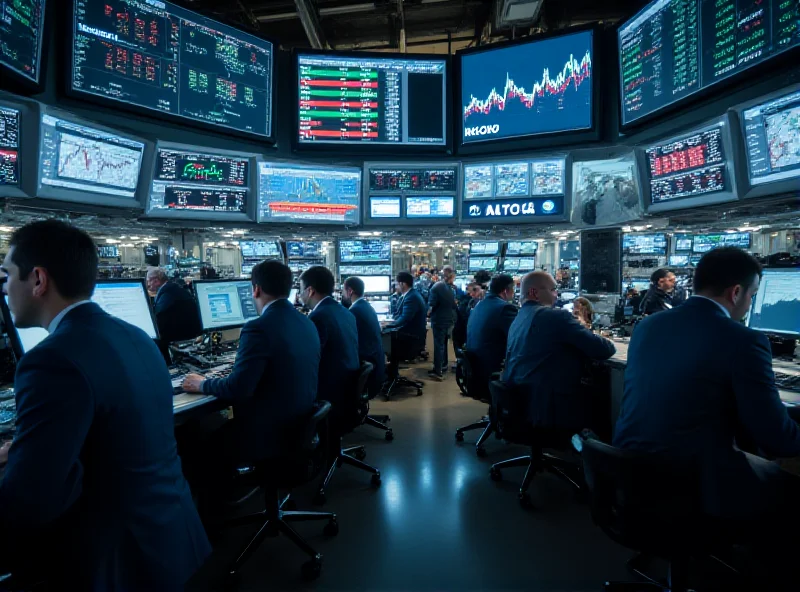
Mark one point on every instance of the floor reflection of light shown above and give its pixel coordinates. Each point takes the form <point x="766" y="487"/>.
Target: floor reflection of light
<point x="427" y="475"/>
<point x="393" y="493"/>
<point x="459" y="476"/>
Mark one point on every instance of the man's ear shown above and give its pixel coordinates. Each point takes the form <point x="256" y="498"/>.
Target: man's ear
<point x="41" y="281"/>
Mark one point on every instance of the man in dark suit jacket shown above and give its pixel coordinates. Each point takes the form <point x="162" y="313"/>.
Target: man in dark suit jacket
<point x="412" y="320"/>
<point x="176" y="311"/>
<point x="274" y="378"/>
<point x="660" y="296"/>
<point x="338" y="336"/>
<point x="93" y="474"/>
<point x="488" y="326"/>
<point x="442" y="303"/>
<point x="370" y="343"/>
<point x="695" y="377"/>
<point x="547" y="349"/>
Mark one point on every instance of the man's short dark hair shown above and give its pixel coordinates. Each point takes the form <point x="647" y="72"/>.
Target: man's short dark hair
<point x="320" y="278"/>
<point x="405" y="278"/>
<point x="67" y="253"/>
<point x="356" y="284"/>
<point x="658" y="275"/>
<point x="482" y="277"/>
<point x="724" y="268"/>
<point x="500" y="283"/>
<point x="273" y="277"/>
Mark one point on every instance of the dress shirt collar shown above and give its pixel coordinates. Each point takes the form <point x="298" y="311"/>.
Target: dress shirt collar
<point x="263" y="310"/>
<point x="60" y="316"/>
<point x="321" y="301"/>
<point x="722" y="308"/>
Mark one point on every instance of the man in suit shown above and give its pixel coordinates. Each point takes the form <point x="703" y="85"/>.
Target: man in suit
<point x="176" y="311"/>
<point x="465" y="305"/>
<point x="547" y="349"/>
<point x="93" y="478"/>
<point x="338" y="336"/>
<point x="488" y="326"/>
<point x="442" y="303"/>
<point x="659" y="296"/>
<point x="370" y="343"/>
<point x="720" y="381"/>
<point x="411" y="320"/>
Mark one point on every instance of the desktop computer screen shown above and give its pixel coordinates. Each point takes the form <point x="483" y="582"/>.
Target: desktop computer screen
<point x="225" y="304"/>
<point x="293" y="295"/>
<point x="381" y="307"/>
<point x="776" y="308"/>
<point x="376" y="284"/>
<point x="27" y="338"/>
<point x="126" y="300"/>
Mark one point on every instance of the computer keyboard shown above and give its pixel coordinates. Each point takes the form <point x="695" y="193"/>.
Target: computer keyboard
<point x="788" y="382"/>
<point x="178" y="373"/>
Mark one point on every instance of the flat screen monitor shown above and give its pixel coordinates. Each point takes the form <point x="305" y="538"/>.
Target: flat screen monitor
<point x="639" y="284"/>
<point x="521" y="248"/>
<point x="394" y="100"/>
<point x="260" y="249"/>
<point x="483" y="263"/>
<point x="484" y="248"/>
<point x="87" y="163"/>
<point x="644" y="244"/>
<point x="771" y="131"/>
<point x="21" y="34"/>
<point x="293" y="295"/>
<point x="9" y="148"/>
<point x="127" y="300"/>
<point x="679" y="261"/>
<point x="690" y="169"/>
<point x="108" y="252"/>
<point x="541" y="86"/>
<point x="303" y="249"/>
<point x="225" y="304"/>
<point x="422" y="207"/>
<point x="200" y="183"/>
<point x="478" y="181"/>
<point x="776" y="307"/>
<point x="683" y="243"/>
<point x="308" y="194"/>
<point x="605" y="192"/>
<point x="703" y="243"/>
<point x="159" y="57"/>
<point x="376" y="284"/>
<point x="22" y="340"/>
<point x="384" y="207"/>
<point x="671" y="50"/>
<point x="366" y="269"/>
<point x="381" y="307"/>
<point x="519" y="264"/>
<point x="365" y="251"/>
<point x="414" y="179"/>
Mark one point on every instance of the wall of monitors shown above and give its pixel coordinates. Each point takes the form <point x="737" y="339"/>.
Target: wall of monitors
<point x="410" y="194"/>
<point x="673" y="49"/>
<point x="644" y="244"/>
<point x="21" y="34"/>
<point x="703" y="243"/>
<point x="157" y="56"/>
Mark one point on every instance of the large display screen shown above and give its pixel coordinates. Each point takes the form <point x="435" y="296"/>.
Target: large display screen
<point x="364" y="251"/>
<point x="411" y="179"/>
<point x="155" y="55"/>
<point x="605" y="192"/>
<point x="703" y="243"/>
<point x="776" y="307"/>
<point x="9" y="146"/>
<point x="644" y="244"/>
<point x="519" y="264"/>
<point x="399" y="101"/>
<point x="292" y="193"/>
<point x="77" y="157"/>
<point x="690" y="166"/>
<point x="772" y="139"/>
<point x="305" y="249"/>
<point x="484" y="248"/>
<point x="521" y="248"/>
<point x="430" y="207"/>
<point x="683" y="243"/>
<point x="485" y="263"/>
<point x="672" y="49"/>
<point x="384" y="207"/>
<point x="21" y="29"/>
<point x="187" y="180"/>
<point x="366" y="269"/>
<point x="539" y="87"/>
<point x="259" y="249"/>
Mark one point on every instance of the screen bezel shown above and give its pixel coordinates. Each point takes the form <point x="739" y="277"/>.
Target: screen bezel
<point x="366" y="147"/>
<point x="196" y="295"/>
<point x="531" y="141"/>
<point x="790" y="334"/>
<point x="248" y="216"/>
<point x="175" y="118"/>
<point x="15" y="80"/>
<point x="143" y="285"/>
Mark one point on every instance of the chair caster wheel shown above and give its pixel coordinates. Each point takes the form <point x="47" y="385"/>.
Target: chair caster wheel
<point x="459" y="436"/>
<point x="331" y="528"/>
<point x="319" y="498"/>
<point x="389" y="435"/>
<point x="376" y="480"/>
<point x="360" y="454"/>
<point x="525" y="500"/>
<point x="481" y="452"/>
<point x="312" y="569"/>
<point x="289" y="506"/>
<point x="496" y="474"/>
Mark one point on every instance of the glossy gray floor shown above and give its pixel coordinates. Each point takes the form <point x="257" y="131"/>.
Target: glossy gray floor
<point x="437" y="522"/>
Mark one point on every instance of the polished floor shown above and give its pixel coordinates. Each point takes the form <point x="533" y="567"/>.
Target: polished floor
<point x="437" y="522"/>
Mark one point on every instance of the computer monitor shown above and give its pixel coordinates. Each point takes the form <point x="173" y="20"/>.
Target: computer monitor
<point x="640" y="284"/>
<point x="644" y="244"/>
<point x="483" y="263"/>
<point x="22" y="33"/>
<point x="776" y="308"/>
<point x="224" y="304"/>
<point x="293" y="295"/>
<point x="381" y="307"/>
<point x="679" y="261"/>
<point x="365" y="251"/>
<point x="484" y="248"/>
<point x="605" y="192"/>
<point x="22" y="340"/>
<point x="9" y="151"/>
<point x="127" y="300"/>
<point x="376" y="284"/>
<point x="703" y="243"/>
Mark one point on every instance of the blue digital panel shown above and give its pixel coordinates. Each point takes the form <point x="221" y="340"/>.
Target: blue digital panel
<point x="518" y="210"/>
<point x="430" y="207"/>
<point x="299" y="250"/>
<point x="364" y="251"/>
<point x="540" y="87"/>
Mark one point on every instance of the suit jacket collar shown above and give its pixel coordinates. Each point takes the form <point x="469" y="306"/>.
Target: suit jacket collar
<point x="82" y="310"/>
<point x="327" y="301"/>
<point x="706" y="304"/>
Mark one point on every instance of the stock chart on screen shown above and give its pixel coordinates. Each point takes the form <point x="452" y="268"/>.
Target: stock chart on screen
<point x="288" y="193"/>
<point x="673" y="48"/>
<point x="82" y="158"/>
<point x="193" y="180"/>
<point x="21" y="27"/>
<point x="391" y="100"/>
<point x="772" y="139"/>
<point x="539" y="87"/>
<point x="687" y="167"/>
<point x="776" y="307"/>
<point x="412" y="179"/>
<point x="161" y="57"/>
<point x="9" y="146"/>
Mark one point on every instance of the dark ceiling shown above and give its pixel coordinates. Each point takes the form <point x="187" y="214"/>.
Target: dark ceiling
<point x="377" y="25"/>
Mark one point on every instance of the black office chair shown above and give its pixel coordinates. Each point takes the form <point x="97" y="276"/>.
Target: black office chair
<point x="478" y="390"/>
<point x="301" y="466"/>
<point x="512" y="425"/>
<point x="404" y="348"/>
<point x="344" y="420"/>
<point x="650" y="506"/>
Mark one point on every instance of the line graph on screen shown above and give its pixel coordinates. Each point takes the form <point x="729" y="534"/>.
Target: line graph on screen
<point x="95" y="161"/>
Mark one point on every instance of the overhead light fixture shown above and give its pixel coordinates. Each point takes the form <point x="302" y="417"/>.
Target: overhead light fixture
<point x="377" y="233"/>
<point x="6" y="229"/>
<point x="134" y="238"/>
<point x="363" y="233"/>
<point x="111" y="241"/>
<point x="470" y="232"/>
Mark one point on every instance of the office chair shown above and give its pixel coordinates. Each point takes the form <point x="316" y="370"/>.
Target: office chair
<point x="477" y="390"/>
<point x="404" y="348"/>
<point x="348" y="417"/>
<point x="511" y="424"/>
<point x="379" y="421"/>
<point x="304" y="463"/>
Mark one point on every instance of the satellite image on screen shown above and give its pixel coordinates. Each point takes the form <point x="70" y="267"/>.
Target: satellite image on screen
<point x="478" y="181"/>
<point x="605" y="192"/>
<point x="512" y="179"/>
<point x="548" y="176"/>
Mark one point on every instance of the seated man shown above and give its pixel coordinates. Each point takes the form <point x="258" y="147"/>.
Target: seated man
<point x="338" y="336"/>
<point x="93" y="479"/>
<point x="176" y="311"/>
<point x="547" y="348"/>
<point x="488" y="326"/>
<point x="410" y="324"/>
<point x="720" y="379"/>
<point x="370" y="343"/>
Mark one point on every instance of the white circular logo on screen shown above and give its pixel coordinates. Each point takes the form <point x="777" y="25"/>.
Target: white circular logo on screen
<point x="548" y="206"/>
<point x="474" y="210"/>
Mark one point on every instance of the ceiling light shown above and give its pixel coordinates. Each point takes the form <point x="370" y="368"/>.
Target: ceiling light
<point x="363" y="233"/>
<point x="470" y="232"/>
<point x="6" y="229"/>
<point x="134" y="238"/>
<point x="128" y="245"/>
<point x="111" y="241"/>
<point x="377" y="233"/>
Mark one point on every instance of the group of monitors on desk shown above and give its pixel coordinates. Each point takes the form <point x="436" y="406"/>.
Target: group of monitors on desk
<point x="517" y="256"/>
<point x="369" y="260"/>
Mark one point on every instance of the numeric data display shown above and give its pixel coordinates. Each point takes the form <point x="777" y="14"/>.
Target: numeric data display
<point x="21" y="26"/>
<point x="9" y="146"/>
<point x="410" y="179"/>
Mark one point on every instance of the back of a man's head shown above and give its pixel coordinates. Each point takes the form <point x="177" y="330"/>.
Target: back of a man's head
<point x="725" y="268"/>
<point x="404" y="277"/>
<point x="543" y="282"/>
<point x="500" y="283"/>
<point x="356" y="284"/>
<point x="273" y="277"/>
<point x="320" y="278"/>
<point x="67" y="253"/>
